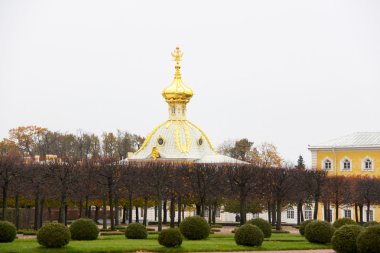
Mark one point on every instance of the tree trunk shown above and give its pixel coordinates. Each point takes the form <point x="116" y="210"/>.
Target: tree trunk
<point x="202" y="209"/>
<point x="299" y="211"/>
<point x="155" y="213"/>
<point x="5" y="199"/>
<point x="41" y="212"/>
<point x="165" y="220"/>
<point x="243" y="208"/>
<point x="197" y="209"/>
<point x="87" y="210"/>
<point x="368" y="211"/>
<point x="356" y="213"/>
<point x="89" y="214"/>
<point x="124" y="221"/>
<point x="278" y="222"/>
<point x="209" y="214"/>
<point x="111" y="204"/>
<point x="62" y="209"/>
<point x="130" y="208"/>
<point x="104" y="213"/>
<point x="80" y="211"/>
<point x="179" y="214"/>
<point x="17" y="216"/>
<point x="137" y="214"/>
<point x="316" y="201"/>
<point x="336" y="209"/>
<point x="159" y="224"/>
<point x="269" y="213"/>
<point x="274" y="213"/>
<point x="96" y="216"/>
<point x="36" y="210"/>
<point x="214" y="208"/>
<point x="65" y="211"/>
<point x="145" y="220"/>
<point x="172" y="211"/>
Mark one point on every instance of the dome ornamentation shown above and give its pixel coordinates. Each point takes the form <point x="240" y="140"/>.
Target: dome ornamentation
<point x="177" y="91"/>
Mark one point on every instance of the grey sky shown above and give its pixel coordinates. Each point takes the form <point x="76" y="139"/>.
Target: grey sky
<point x="288" y="72"/>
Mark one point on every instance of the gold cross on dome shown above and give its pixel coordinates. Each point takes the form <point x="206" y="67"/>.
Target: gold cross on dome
<point x="177" y="55"/>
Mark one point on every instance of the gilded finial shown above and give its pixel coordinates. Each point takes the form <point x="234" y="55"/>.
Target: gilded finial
<point x="177" y="55"/>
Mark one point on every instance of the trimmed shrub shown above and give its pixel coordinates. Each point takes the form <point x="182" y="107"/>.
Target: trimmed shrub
<point x="53" y="235"/>
<point x="264" y="225"/>
<point x="136" y="231"/>
<point x="7" y="231"/>
<point x="303" y="226"/>
<point x="344" y="238"/>
<point x="319" y="232"/>
<point x="84" y="229"/>
<point x="369" y="240"/>
<point x="171" y="237"/>
<point x="249" y="235"/>
<point x="194" y="228"/>
<point x="344" y="221"/>
<point x="370" y="223"/>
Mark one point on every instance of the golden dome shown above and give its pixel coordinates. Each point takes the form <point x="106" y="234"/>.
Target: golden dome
<point x="177" y="91"/>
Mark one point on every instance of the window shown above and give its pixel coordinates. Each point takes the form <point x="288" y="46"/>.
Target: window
<point x="173" y="109"/>
<point x="347" y="213"/>
<point x="217" y="213"/>
<point x="327" y="164"/>
<point x="256" y="215"/>
<point x="308" y="213"/>
<point x="346" y="164"/>
<point x="290" y="213"/>
<point x="200" y="141"/>
<point x="367" y="164"/>
<point x="160" y="141"/>
<point x="370" y="216"/>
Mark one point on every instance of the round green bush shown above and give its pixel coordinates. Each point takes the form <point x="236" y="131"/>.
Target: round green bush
<point x="171" y="237"/>
<point x="136" y="231"/>
<point x="344" y="238"/>
<point x="319" y="232"/>
<point x="344" y="221"/>
<point x="84" y="229"/>
<point x="249" y="235"/>
<point x="194" y="228"/>
<point x="303" y="225"/>
<point x="7" y="231"/>
<point x="264" y="225"/>
<point x="370" y="223"/>
<point x="369" y="240"/>
<point x="53" y="235"/>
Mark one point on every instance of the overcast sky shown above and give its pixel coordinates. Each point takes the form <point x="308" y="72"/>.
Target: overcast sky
<point x="291" y="73"/>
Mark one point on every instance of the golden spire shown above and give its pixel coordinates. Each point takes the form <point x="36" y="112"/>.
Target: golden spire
<point x="177" y="91"/>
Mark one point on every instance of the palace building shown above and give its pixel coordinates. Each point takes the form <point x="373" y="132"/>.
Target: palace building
<point x="357" y="154"/>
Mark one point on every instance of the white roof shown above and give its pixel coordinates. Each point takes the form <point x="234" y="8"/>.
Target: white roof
<point x="354" y="140"/>
<point x="181" y="141"/>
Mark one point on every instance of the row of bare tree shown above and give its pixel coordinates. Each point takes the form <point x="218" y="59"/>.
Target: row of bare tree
<point x="107" y="184"/>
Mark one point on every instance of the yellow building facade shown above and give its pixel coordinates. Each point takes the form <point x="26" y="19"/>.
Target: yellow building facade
<point x="357" y="154"/>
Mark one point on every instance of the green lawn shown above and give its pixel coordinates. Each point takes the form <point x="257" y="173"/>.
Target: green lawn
<point x="216" y="242"/>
